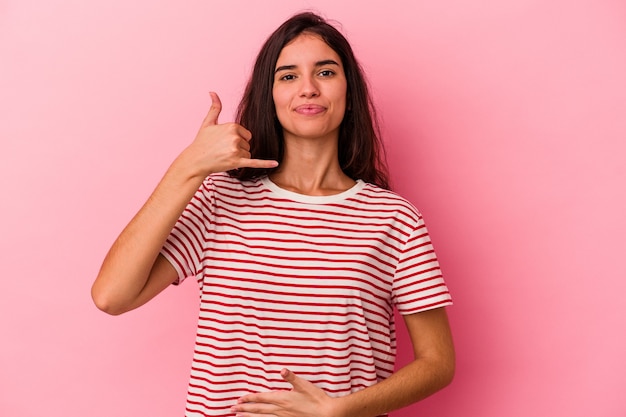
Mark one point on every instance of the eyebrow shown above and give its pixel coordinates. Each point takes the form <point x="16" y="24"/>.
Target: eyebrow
<point x="317" y="64"/>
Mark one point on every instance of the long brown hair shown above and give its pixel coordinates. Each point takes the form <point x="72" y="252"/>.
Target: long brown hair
<point x="361" y="152"/>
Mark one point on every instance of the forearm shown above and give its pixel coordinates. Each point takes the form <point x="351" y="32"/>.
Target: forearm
<point x="127" y="266"/>
<point x="431" y="370"/>
<point x="410" y="384"/>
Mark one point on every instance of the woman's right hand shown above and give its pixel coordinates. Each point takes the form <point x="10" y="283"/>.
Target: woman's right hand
<point x="220" y="147"/>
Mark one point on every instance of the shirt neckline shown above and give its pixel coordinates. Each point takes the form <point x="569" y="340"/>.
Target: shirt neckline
<point x="313" y="199"/>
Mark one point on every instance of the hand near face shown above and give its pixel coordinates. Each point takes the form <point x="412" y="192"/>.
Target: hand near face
<point x="222" y="147"/>
<point x="304" y="400"/>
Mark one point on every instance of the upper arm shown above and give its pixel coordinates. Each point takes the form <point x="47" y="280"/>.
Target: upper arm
<point x="161" y="276"/>
<point x="431" y="338"/>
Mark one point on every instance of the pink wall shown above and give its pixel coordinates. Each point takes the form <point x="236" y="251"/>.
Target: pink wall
<point x="506" y="126"/>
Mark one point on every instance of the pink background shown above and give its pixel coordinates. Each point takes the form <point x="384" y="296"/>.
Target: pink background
<point x="505" y="125"/>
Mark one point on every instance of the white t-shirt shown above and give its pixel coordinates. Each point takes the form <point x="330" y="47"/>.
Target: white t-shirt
<point x="303" y="282"/>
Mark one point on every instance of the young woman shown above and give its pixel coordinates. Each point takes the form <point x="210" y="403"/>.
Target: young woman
<point x="299" y="249"/>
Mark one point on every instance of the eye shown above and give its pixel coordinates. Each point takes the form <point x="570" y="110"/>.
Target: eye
<point x="287" y="77"/>
<point x="326" y="73"/>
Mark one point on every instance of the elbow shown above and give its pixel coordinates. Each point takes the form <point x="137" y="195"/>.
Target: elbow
<point x="105" y="303"/>
<point x="441" y="375"/>
<point x="447" y="368"/>
<point x="442" y="370"/>
<point x="447" y="373"/>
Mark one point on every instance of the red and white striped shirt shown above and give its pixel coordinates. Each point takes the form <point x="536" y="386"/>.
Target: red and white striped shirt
<point x="303" y="282"/>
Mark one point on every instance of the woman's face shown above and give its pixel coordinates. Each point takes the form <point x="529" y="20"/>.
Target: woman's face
<point x="309" y="89"/>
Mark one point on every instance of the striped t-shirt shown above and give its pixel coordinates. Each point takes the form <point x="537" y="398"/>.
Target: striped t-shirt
<point x="303" y="282"/>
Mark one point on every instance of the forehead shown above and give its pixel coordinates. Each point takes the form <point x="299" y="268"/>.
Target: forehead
<point x="306" y="48"/>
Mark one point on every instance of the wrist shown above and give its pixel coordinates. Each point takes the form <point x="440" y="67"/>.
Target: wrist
<point x="356" y="404"/>
<point x="340" y="406"/>
<point x="187" y="168"/>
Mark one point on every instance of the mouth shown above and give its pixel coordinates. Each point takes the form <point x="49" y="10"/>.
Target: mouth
<point x="310" y="109"/>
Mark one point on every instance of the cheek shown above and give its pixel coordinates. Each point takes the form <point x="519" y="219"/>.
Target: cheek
<point x="342" y="99"/>
<point x="280" y="101"/>
<point x="341" y="94"/>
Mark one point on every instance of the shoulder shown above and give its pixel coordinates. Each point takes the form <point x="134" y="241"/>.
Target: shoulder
<point x="389" y="201"/>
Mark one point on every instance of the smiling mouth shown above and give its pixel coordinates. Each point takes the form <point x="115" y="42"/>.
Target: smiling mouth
<point x="309" y="109"/>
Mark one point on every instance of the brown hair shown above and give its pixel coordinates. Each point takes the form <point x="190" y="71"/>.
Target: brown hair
<point x="361" y="152"/>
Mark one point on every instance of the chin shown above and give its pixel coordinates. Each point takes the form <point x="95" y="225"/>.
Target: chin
<point x="313" y="132"/>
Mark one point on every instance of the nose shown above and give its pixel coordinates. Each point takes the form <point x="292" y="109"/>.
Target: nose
<point x="309" y="87"/>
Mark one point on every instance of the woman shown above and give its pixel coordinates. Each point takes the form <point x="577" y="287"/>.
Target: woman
<point x="299" y="249"/>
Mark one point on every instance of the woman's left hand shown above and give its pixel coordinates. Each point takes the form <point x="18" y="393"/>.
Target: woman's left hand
<point x="304" y="400"/>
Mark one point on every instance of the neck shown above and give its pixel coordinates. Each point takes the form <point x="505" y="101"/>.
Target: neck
<point x="311" y="167"/>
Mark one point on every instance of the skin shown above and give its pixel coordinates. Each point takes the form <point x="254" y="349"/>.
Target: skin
<point x="310" y="97"/>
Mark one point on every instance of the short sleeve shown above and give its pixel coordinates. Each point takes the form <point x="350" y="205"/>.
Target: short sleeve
<point x="418" y="283"/>
<point x="185" y="245"/>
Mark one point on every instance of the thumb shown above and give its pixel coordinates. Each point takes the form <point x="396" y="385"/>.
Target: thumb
<point x="214" y="111"/>
<point x="293" y="379"/>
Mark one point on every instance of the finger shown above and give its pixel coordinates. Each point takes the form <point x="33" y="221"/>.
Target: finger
<point x="214" y="111"/>
<point x="287" y="375"/>
<point x="244" y="133"/>
<point x="251" y="408"/>
<point x="269" y="397"/>
<point x="292" y="378"/>
<point x="244" y="145"/>
<point x="256" y="163"/>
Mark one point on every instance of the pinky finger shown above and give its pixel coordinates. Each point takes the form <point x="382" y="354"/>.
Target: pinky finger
<point x="258" y="163"/>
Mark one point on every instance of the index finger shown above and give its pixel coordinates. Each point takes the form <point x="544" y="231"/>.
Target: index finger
<point x="269" y="397"/>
